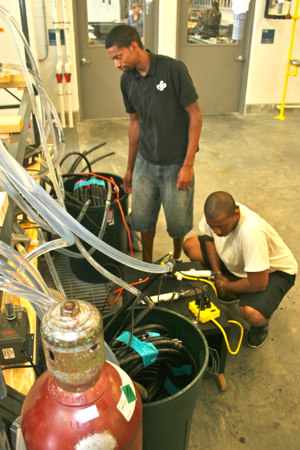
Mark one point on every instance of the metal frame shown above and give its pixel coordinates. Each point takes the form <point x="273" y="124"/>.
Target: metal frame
<point x="272" y="16"/>
<point x="17" y="149"/>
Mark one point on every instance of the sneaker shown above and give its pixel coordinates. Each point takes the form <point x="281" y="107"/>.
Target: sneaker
<point x="257" y="336"/>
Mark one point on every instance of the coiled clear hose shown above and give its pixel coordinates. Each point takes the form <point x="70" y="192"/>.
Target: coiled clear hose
<point x="60" y="220"/>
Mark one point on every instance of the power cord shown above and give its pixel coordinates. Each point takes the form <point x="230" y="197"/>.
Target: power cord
<point x="211" y="312"/>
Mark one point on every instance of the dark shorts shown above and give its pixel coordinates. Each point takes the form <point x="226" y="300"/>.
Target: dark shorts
<point x="265" y="302"/>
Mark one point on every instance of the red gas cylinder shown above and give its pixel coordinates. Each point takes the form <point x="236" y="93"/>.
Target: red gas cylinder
<point x="82" y="402"/>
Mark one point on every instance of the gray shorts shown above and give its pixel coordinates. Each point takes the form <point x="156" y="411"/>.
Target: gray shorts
<point x="153" y="185"/>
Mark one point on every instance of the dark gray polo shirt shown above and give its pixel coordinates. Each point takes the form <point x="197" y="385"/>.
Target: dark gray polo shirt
<point x="160" y="98"/>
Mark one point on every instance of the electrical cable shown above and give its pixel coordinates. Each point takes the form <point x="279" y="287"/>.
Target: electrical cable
<point x="19" y="366"/>
<point x="174" y="364"/>
<point x="13" y="95"/>
<point x="213" y="370"/>
<point x="110" y="180"/>
<point x="225" y="336"/>
<point x="120" y="290"/>
<point x="97" y="159"/>
<point x="85" y="153"/>
<point x="31" y="362"/>
<point x="80" y="155"/>
<point x="201" y="279"/>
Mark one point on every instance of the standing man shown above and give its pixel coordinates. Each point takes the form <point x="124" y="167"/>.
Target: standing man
<point x="164" y="129"/>
<point x="251" y="259"/>
<point x="136" y="19"/>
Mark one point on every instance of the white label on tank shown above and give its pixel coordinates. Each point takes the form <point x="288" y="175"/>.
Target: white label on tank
<point x="87" y="414"/>
<point x="110" y="218"/>
<point x="8" y="353"/>
<point x="127" y="401"/>
<point x="96" y="441"/>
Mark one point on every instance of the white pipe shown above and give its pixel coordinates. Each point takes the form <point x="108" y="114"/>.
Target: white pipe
<point x="239" y="7"/>
<point x="59" y="65"/>
<point x="68" y="63"/>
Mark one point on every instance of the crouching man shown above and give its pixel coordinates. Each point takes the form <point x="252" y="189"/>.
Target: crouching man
<point x="252" y="261"/>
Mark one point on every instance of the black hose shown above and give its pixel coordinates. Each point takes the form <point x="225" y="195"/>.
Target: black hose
<point x="174" y="366"/>
<point x="98" y="159"/>
<point x="81" y="155"/>
<point x="87" y="152"/>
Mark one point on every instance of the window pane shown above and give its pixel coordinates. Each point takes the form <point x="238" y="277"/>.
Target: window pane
<point x="103" y="15"/>
<point x="210" y="22"/>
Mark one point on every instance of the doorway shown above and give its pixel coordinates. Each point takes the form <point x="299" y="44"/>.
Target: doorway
<point x="99" y="81"/>
<point x="216" y="61"/>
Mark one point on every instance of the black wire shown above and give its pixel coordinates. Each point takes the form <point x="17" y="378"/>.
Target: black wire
<point x="86" y="215"/>
<point x="19" y="366"/>
<point x="98" y="159"/>
<point x="215" y="362"/>
<point x="171" y="354"/>
<point x="123" y="323"/>
<point x="80" y="155"/>
<point x="13" y="95"/>
<point x="29" y="359"/>
<point x="77" y="161"/>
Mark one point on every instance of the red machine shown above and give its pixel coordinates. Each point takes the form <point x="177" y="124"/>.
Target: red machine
<point x="82" y="402"/>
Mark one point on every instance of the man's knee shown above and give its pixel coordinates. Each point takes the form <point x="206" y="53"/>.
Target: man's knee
<point x="191" y="248"/>
<point x="252" y="316"/>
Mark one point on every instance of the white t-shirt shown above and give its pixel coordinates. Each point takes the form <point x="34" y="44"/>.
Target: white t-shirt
<point x="253" y="246"/>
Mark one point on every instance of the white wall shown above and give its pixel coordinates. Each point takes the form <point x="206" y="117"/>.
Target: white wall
<point x="167" y="34"/>
<point x="8" y="54"/>
<point x="47" y="67"/>
<point x="38" y="40"/>
<point x="268" y="62"/>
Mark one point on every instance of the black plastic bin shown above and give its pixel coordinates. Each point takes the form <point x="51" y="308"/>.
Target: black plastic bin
<point x="167" y="422"/>
<point x="115" y="233"/>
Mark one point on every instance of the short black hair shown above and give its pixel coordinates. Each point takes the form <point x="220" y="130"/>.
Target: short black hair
<point x="217" y="203"/>
<point x="123" y="36"/>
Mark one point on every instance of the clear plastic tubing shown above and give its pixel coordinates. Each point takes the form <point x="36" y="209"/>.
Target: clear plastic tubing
<point x="24" y="266"/>
<point x="35" y="297"/>
<point x="102" y="228"/>
<point x="12" y="25"/>
<point x="51" y="266"/>
<point x="13" y="193"/>
<point x="60" y="220"/>
<point x="104" y="272"/>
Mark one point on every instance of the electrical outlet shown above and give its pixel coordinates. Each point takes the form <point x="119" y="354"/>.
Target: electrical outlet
<point x="205" y="315"/>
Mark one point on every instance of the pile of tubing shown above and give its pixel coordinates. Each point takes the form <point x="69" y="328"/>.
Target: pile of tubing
<point x="159" y="364"/>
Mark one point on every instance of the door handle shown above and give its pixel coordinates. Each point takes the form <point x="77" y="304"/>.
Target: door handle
<point x="84" y="61"/>
<point x="240" y="58"/>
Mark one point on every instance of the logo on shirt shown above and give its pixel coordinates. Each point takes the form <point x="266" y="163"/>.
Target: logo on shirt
<point x="161" y="86"/>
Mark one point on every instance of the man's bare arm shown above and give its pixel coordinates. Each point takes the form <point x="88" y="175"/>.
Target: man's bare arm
<point x="186" y="173"/>
<point x="134" y="139"/>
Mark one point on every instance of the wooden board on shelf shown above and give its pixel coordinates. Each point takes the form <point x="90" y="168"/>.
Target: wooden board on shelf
<point x="12" y="81"/>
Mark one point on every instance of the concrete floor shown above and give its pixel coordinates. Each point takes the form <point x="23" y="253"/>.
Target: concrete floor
<point x="255" y="158"/>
